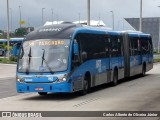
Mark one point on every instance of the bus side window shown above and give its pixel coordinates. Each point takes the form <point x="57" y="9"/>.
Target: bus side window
<point x="150" y="46"/>
<point x="121" y="47"/>
<point x="115" y="46"/>
<point x="144" y="46"/>
<point x="107" y="45"/>
<point x="134" y="46"/>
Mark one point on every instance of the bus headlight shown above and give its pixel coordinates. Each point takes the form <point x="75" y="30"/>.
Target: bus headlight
<point x="64" y="79"/>
<point x="19" y="80"/>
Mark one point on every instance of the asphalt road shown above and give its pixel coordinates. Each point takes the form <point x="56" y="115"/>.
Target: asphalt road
<point x="7" y="87"/>
<point x="135" y="94"/>
<point x="7" y="80"/>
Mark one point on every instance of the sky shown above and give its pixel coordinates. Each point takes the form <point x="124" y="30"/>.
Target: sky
<point x="69" y="10"/>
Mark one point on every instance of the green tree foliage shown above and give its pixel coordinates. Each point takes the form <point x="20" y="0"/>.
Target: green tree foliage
<point x="4" y="46"/>
<point x="21" y="32"/>
<point x="2" y="34"/>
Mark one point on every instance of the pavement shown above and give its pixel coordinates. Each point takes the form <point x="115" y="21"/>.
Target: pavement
<point x="135" y="94"/>
<point x="7" y="71"/>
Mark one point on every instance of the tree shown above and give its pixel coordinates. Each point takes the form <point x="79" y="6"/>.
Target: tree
<point x="1" y="32"/>
<point x="21" y="32"/>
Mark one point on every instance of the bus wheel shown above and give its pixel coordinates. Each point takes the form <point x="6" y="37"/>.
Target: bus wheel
<point x="143" y="71"/>
<point x="115" y="78"/>
<point x="85" y="87"/>
<point x="42" y="93"/>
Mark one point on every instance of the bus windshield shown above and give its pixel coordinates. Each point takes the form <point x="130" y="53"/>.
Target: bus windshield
<point x="44" y="55"/>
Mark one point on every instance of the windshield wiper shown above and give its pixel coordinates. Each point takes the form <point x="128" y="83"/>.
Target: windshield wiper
<point x="22" y="53"/>
<point x="43" y="59"/>
<point x="29" y="61"/>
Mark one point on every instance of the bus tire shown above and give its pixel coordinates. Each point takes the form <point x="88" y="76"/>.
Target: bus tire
<point x="115" y="78"/>
<point x="143" y="71"/>
<point x="42" y="93"/>
<point x="85" y="87"/>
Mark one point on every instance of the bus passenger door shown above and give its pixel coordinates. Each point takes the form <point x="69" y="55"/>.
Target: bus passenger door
<point x="132" y="57"/>
<point x="136" y="58"/>
<point x="116" y="59"/>
<point x="102" y="59"/>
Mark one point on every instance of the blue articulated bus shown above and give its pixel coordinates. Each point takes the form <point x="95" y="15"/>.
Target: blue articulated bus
<point x="68" y="57"/>
<point x="2" y="50"/>
<point x="14" y="42"/>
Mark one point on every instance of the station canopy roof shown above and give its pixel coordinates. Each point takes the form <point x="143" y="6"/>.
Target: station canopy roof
<point x="92" y="22"/>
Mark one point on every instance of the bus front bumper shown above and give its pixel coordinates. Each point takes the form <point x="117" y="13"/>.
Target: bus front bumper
<point x="64" y="87"/>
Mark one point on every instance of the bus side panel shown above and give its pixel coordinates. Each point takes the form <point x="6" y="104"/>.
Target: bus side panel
<point x="121" y="68"/>
<point x="149" y="66"/>
<point x="116" y="62"/>
<point x="137" y="64"/>
<point x="147" y="59"/>
<point x="102" y="70"/>
<point x="98" y="70"/>
<point x="132" y="65"/>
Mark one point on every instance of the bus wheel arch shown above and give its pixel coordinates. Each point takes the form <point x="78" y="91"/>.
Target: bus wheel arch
<point x="42" y="93"/>
<point x="115" y="77"/>
<point x="143" y="69"/>
<point x="86" y="83"/>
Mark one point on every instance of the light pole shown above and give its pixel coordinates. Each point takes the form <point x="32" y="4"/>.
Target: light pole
<point x="20" y="19"/>
<point x="112" y="19"/>
<point x="8" y="37"/>
<point x="42" y="15"/>
<point x="11" y="18"/>
<point x="88" y="12"/>
<point x="140" y="20"/>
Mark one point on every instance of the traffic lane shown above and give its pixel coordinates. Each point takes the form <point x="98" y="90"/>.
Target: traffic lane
<point x="136" y="94"/>
<point x="7" y="70"/>
<point x="140" y="93"/>
<point x="7" y="87"/>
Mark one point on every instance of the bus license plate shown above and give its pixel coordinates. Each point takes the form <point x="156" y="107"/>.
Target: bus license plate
<point x="38" y="89"/>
